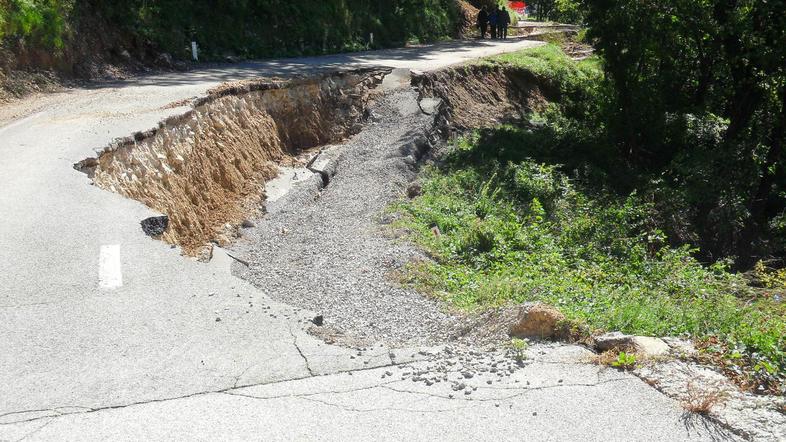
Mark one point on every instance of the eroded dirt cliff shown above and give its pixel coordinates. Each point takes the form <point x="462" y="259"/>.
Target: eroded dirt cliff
<point x="481" y="95"/>
<point x="206" y="169"/>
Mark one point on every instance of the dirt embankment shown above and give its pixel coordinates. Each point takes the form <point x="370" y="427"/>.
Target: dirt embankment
<point x="475" y="96"/>
<point x="206" y="169"/>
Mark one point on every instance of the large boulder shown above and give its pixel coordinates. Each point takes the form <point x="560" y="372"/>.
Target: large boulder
<point x="539" y="321"/>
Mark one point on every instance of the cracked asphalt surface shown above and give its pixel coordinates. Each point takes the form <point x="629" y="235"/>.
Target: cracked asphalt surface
<point x="185" y="350"/>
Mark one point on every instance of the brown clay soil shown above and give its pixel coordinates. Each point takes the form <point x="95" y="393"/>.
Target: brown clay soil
<point x="476" y="96"/>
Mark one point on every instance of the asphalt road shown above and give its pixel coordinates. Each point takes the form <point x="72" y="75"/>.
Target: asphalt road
<point x="108" y="334"/>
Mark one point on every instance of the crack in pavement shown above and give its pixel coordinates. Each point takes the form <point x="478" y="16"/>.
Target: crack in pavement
<point x="229" y="391"/>
<point x="35" y="431"/>
<point x="302" y="395"/>
<point x="153" y="401"/>
<point x="300" y="351"/>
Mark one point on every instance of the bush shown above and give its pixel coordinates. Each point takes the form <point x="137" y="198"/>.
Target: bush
<point x="42" y="22"/>
<point x="522" y="231"/>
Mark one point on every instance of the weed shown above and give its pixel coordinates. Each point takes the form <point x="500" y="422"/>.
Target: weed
<point x="513" y="229"/>
<point x="624" y="361"/>
<point x="701" y="400"/>
<point x="548" y="213"/>
<point x="519" y="347"/>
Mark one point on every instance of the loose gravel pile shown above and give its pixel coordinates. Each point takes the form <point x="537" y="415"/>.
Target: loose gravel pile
<point x="324" y="249"/>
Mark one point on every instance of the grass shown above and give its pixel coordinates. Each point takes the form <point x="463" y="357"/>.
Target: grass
<point x="702" y="401"/>
<point x="517" y="225"/>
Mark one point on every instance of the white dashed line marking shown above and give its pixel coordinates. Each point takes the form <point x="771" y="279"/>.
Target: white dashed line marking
<point x="110" y="275"/>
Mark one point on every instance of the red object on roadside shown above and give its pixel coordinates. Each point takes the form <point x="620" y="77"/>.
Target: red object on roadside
<point x="519" y="7"/>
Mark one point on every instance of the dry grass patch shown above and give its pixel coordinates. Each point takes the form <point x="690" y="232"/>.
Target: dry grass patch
<point x="701" y="400"/>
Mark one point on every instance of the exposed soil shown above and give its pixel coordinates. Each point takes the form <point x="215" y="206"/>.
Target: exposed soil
<point x="330" y="249"/>
<point x="205" y="169"/>
<point x="468" y="19"/>
<point x="475" y="96"/>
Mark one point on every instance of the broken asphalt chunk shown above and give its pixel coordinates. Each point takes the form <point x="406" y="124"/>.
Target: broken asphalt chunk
<point x="155" y="225"/>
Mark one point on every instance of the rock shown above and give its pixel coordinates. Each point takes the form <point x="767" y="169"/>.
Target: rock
<point x="247" y="224"/>
<point x="414" y="190"/>
<point x="681" y="347"/>
<point x="613" y="340"/>
<point x="155" y="225"/>
<point x="206" y="254"/>
<point x="165" y="60"/>
<point x="538" y="321"/>
<point x="319" y="320"/>
<point x="369" y="115"/>
<point x="642" y="345"/>
<point x="430" y="106"/>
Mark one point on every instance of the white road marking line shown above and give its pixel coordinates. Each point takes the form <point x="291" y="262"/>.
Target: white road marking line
<point x="110" y="275"/>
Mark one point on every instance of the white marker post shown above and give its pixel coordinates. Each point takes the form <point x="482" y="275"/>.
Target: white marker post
<point x="110" y="275"/>
<point x="194" y="51"/>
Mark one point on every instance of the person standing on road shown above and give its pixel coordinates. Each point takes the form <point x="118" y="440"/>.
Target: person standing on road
<point x="503" y="20"/>
<point x="483" y="21"/>
<point x="493" y="23"/>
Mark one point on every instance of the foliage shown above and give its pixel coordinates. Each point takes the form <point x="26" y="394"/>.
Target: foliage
<point x="550" y="212"/>
<point x="278" y="27"/>
<point x="519" y="347"/>
<point x="252" y="28"/>
<point x="770" y="278"/>
<point x="42" y="22"/>
<point x="564" y="11"/>
<point x="625" y="361"/>
<point x="681" y="70"/>
<point x="516" y="230"/>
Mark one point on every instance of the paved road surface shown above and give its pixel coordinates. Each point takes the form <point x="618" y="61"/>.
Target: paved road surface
<point x="108" y="334"/>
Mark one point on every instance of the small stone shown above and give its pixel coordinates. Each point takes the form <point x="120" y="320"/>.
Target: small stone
<point x="218" y="319"/>
<point x="318" y="320"/>
<point x="414" y="190"/>
<point x="155" y="225"/>
<point x="247" y="224"/>
<point x="534" y="413"/>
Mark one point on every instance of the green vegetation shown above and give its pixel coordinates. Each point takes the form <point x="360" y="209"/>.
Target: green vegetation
<point x="43" y="22"/>
<point x="563" y="11"/>
<point x="519" y="347"/>
<point x="550" y="212"/>
<point x="697" y="98"/>
<point x="625" y="361"/>
<point x="251" y="28"/>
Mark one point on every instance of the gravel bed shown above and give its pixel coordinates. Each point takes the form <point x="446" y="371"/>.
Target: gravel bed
<point x="324" y="249"/>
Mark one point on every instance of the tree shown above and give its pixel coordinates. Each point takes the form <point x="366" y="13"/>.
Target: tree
<point x="726" y="58"/>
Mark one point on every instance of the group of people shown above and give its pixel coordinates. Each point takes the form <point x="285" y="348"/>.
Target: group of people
<point x="496" y="22"/>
